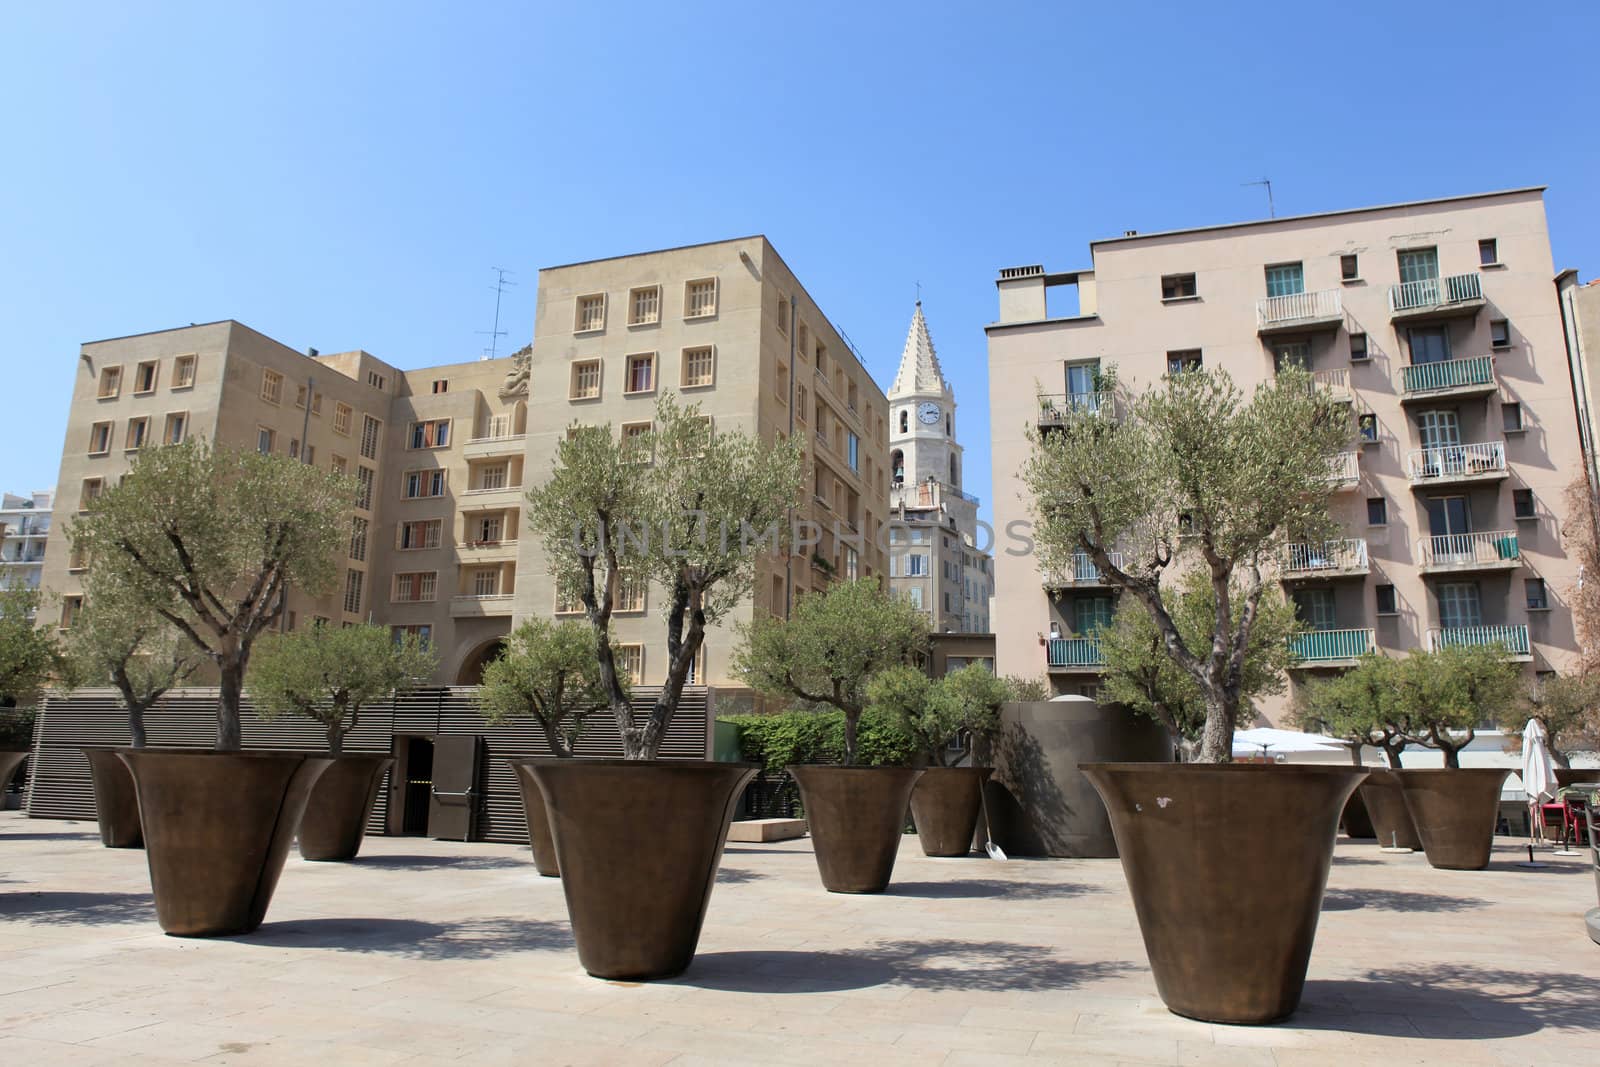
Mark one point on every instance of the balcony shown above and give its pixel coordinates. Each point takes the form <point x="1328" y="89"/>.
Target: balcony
<point x="1513" y="638"/>
<point x="1330" y="648"/>
<point x="506" y="496"/>
<point x="1458" y="464"/>
<point x="493" y="445"/>
<point x="472" y="606"/>
<point x="1346" y="558"/>
<point x="1490" y="550"/>
<point x="488" y="551"/>
<point x="1300" y="312"/>
<point x="1075" y="654"/>
<point x="1344" y="472"/>
<point x="1054" y="408"/>
<point x="1455" y="296"/>
<point x="1082" y="574"/>
<point x="1447" y="377"/>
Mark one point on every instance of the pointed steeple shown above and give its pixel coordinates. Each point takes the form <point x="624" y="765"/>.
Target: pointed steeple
<point x="919" y="364"/>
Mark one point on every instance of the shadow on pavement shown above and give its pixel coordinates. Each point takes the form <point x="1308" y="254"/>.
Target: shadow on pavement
<point x="1451" y="1003"/>
<point x="91" y="909"/>
<point x="444" y="863"/>
<point x="1395" y="900"/>
<point x="467" y="939"/>
<point x="989" y="887"/>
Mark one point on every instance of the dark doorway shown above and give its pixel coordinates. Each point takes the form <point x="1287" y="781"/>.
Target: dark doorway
<point x="417" y="759"/>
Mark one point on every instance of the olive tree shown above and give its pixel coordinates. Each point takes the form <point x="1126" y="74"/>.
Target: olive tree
<point x="211" y="540"/>
<point x="119" y="641"/>
<point x="833" y="645"/>
<point x="1446" y="694"/>
<point x="685" y="507"/>
<point x="1569" y="707"/>
<point x="550" y="673"/>
<point x="1361" y="706"/>
<point x="937" y="711"/>
<point x="29" y="653"/>
<point x="1199" y="472"/>
<point x="330" y="673"/>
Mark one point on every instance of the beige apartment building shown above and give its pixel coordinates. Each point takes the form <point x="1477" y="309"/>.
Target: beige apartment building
<point x="1436" y="322"/>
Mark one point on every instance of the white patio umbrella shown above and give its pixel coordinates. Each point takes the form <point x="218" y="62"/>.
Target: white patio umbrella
<point x="1260" y="742"/>
<point x="1538" y="779"/>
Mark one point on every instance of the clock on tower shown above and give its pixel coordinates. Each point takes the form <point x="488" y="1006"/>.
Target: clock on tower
<point x="928" y="412"/>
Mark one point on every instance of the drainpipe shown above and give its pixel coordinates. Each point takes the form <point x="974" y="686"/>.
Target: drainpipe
<point x="305" y="422"/>
<point x="794" y="375"/>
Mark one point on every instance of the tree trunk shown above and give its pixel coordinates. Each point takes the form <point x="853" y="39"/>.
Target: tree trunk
<point x="1216" y="742"/>
<point x="335" y="740"/>
<point x="1393" y="756"/>
<point x="229" y="738"/>
<point x="136" y="725"/>
<point x="850" y="718"/>
<point x="554" y="738"/>
<point x="1355" y="753"/>
<point x="1452" y="757"/>
<point x="1560" y="759"/>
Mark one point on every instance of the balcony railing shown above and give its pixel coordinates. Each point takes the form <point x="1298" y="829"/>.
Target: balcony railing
<point x="1469" y="551"/>
<point x="1075" y="652"/>
<point x="1299" y="307"/>
<point x="1330" y="646"/>
<point x="1345" y="556"/>
<point x="1449" y="462"/>
<point x="1344" y="470"/>
<point x="1447" y="374"/>
<point x="1055" y="407"/>
<point x="1514" y="638"/>
<point x="1431" y="293"/>
<point x="1082" y="571"/>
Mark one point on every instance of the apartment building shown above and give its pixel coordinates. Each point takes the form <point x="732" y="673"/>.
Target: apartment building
<point x="729" y="327"/>
<point x="24" y="533"/>
<point x="1436" y="322"/>
<point x="1580" y="320"/>
<point x="937" y="559"/>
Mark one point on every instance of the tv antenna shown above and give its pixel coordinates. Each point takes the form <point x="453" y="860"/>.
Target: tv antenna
<point x="499" y="287"/>
<point x="1272" y="211"/>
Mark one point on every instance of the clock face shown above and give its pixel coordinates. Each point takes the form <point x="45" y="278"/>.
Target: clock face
<point x="928" y="412"/>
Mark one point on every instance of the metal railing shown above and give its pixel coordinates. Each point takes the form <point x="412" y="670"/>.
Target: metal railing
<point x="1054" y="407"/>
<point x="1075" y="652"/>
<point x="492" y="435"/>
<point x="1335" y="381"/>
<point x="1467" y="550"/>
<point x="1446" y="374"/>
<point x="1435" y="292"/>
<point x="1514" y="638"/>
<point x="1346" y="554"/>
<point x="1322" y="646"/>
<point x="1294" y="307"/>
<point x="1345" y="468"/>
<point x="1083" y="571"/>
<point x="1457" y="461"/>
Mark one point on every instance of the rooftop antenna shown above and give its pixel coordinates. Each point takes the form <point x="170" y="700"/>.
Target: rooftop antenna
<point x="499" y="287"/>
<point x="1272" y="211"/>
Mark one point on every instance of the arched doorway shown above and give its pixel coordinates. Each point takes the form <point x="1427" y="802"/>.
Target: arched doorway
<point x="471" y="672"/>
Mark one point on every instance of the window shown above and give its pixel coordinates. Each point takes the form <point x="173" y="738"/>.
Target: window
<point x="801" y="402"/>
<point x="1349" y="268"/>
<point x="423" y="533"/>
<point x="294" y="448"/>
<point x="853" y="451"/>
<point x="1178" y="287"/>
<point x="634" y="440"/>
<point x="486" y="530"/>
<point x="183" y="372"/>
<point x="265" y="440"/>
<point x="699" y="367"/>
<point x="177" y="426"/>
<point x="376" y="380"/>
<point x="110" y="383"/>
<point x="138" y="430"/>
<point x="71" y="607"/>
<point x="905" y="421"/>
<point x="567" y="600"/>
<point x="630" y="593"/>
<point x="415" y="588"/>
<point x="358" y="539"/>
<point x="494" y="476"/>
<point x="144" y="378"/>
<point x="432" y="433"/>
<point x="371" y="430"/>
<point x="1459" y="605"/>
<point x="92" y="487"/>
<point x="338" y="464"/>
<point x="1499" y="333"/>
<point x="783" y="316"/>
<point x="341" y="418"/>
<point x="1511" y="417"/>
<point x="1537" y="597"/>
<point x="441" y="385"/>
<point x="302" y="393"/>
<point x="1386" y="602"/>
<point x="1182" y="361"/>
<point x="591" y="313"/>
<point x="1286" y="279"/>
<point x="585" y="380"/>
<point x="1316" y="609"/>
<point x="644" y="306"/>
<point x="630" y="661"/>
<point x="1090" y="614"/>
<point x="310" y="455"/>
<point x="486" y="582"/>
<point x="422" y="483"/>
<point x="353" y="580"/>
<point x="641" y="376"/>
<point x="1488" y="252"/>
<point x="1367" y="428"/>
<point x="700" y="298"/>
<point x="916" y="565"/>
<point x="1522" y="504"/>
<point x="271" y="386"/>
<point x="1358" y="348"/>
<point x="1377" y="511"/>
<point x="78" y="559"/>
<point x="1291" y="354"/>
<point x="364" y="480"/>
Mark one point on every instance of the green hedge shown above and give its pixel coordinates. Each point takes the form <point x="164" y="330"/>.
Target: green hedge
<point x="16" y="727"/>
<point x="775" y="741"/>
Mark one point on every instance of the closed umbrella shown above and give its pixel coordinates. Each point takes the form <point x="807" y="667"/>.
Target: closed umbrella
<point x="1538" y="782"/>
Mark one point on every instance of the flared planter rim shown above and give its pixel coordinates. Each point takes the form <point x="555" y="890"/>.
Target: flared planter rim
<point x="612" y="761"/>
<point x="1229" y="768"/>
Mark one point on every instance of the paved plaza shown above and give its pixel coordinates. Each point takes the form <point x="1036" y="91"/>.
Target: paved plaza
<point x="427" y="952"/>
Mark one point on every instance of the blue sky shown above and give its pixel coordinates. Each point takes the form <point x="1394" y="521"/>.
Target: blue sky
<point x="344" y="175"/>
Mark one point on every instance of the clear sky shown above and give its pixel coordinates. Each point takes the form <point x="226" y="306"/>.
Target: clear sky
<point x="343" y="175"/>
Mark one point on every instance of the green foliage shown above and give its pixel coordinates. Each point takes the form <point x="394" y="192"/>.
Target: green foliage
<point x="16" y="727"/>
<point x="1447" y="694"/>
<point x="831" y="647"/>
<point x="1241" y="477"/>
<point x="29" y="654"/>
<point x="1023" y="690"/>
<point x="550" y="673"/>
<point x="934" y="712"/>
<point x="1360" y="705"/>
<point x="808" y="736"/>
<point x="1569" y="707"/>
<point x="212" y="540"/>
<point x="329" y="673"/>
<point x="116" y="640"/>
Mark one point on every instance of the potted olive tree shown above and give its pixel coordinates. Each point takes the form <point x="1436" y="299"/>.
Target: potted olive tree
<point x="28" y="657"/>
<point x="684" y="507"/>
<point x="1199" y="475"/>
<point x="824" y="655"/>
<point x="549" y="672"/>
<point x="328" y="674"/>
<point x="945" y="717"/>
<point x="211" y="540"/>
<point x="1568" y="705"/>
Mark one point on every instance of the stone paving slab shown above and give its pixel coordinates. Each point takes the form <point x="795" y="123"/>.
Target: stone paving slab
<point x="428" y="952"/>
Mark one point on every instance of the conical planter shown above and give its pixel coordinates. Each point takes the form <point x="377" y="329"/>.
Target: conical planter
<point x="945" y="805"/>
<point x="10" y="760"/>
<point x="1566" y="776"/>
<point x="116" y="804"/>
<point x="638" y="843"/>
<point x="1455" y="809"/>
<point x="1226" y="864"/>
<point x="1356" y="821"/>
<point x="857" y="816"/>
<point x="335" y="822"/>
<point x="217" y="828"/>
<point x="1386" y="805"/>
<point x="539" y="839"/>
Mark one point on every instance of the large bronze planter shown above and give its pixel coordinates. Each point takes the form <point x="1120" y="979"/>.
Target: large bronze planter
<point x="1226" y="864"/>
<point x="857" y="816"/>
<point x="539" y="839"/>
<point x="1455" y="809"/>
<point x="1566" y="776"/>
<point x="335" y="822"/>
<point x="945" y="805"/>
<point x="116" y="804"/>
<point x="1386" y="804"/>
<point x="638" y="843"/>
<point x="217" y="828"/>
<point x="10" y="760"/>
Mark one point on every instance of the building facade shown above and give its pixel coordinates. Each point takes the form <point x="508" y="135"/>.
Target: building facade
<point x="938" y="561"/>
<point x="1436" y="322"/>
<point x="24" y="533"/>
